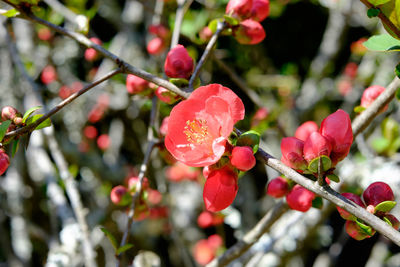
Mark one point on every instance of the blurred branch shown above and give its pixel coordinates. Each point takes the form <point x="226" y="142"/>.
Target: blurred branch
<point x="80" y="20"/>
<point x="220" y="27"/>
<point x="183" y="5"/>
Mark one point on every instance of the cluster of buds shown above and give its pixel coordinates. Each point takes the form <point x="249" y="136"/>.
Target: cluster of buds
<point x="207" y="219"/>
<point x="90" y="53"/>
<point x="158" y="44"/>
<point x="148" y="203"/>
<point x="377" y="199"/>
<point x="317" y="152"/>
<point x="205" y="250"/>
<point x="245" y="16"/>
<point x="297" y="197"/>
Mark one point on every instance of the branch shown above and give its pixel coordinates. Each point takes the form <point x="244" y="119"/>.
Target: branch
<point x="183" y="5"/>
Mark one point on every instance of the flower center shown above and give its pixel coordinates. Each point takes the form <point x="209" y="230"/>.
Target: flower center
<point x="196" y="131"/>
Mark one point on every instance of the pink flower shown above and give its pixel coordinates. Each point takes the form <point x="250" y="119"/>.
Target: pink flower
<point x="259" y="10"/>
<point x="376" y="193"/>
<point x="119" y="195"/>
<point x="292" y="153"/>
<point x="278" y="187"/>
<point x="300" y="198"/>
<point x="156" y="46"/>
<point x="220" y="189"/>
<point x="304" y="130"/>
<point x="199" y="126"/>
<point x="243" y="158"/>
<point x="249" y="32"/>
<point x="178" y="63"/>
<point x="315" y="146"/>
<point x="135" y="84"/>
<point x="337" y="128"/>
<point x="239" y="8"/>
<point x="370" y="94"/>
<point x="356" y="199"/>
<point x="4" y="161"/>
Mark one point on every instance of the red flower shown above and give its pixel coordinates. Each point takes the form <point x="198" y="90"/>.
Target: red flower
<point x="4" y="161"/>
<point x="316" y="145"/>
<point x="249" y="32"/>
<point x="178" y="63"/>
<point x="300" y="198"/>
<point x="278" y="187"/>
<point x="260" y="10"/>
<point x="220" y="189"/>
<point x="376" y="193"/>
<point x="292" y="153"/>
<point x="243" y="158"/>
<point x="356" y="199"/>
<point x="304" y="130"/>
<point x="337" y="128"/>
<point x="199" y="126"/>
<point x="370" y="94"/>
<point x="239" y="8"/>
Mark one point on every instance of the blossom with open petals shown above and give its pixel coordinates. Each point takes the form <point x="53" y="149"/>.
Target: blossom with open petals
<point x="198" y="127"/>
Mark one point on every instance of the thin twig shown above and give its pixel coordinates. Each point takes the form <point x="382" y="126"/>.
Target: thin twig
<point x="183" y="5"/>
<point x="220" y="27"/>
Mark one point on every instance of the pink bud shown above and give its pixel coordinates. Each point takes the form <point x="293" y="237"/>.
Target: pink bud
<point x="91" y="54"/>
<point x="166" y="95"/>
<point x="205" y="219"/>
<point x="220" y="189"/>
<point x="154" y="197"/>
<point x="249" y="32"/>
<point x="117" y="194"/>
<point x="90" y="132"/>
<point x="370" y="94"/>
<point x="292" y="153"/>
<point x="300" y="198"/>
<point x="315" y="146"/>
<point x="278" y="187"/>
<point x="356" y="199"/>
<point x="164" y="126"/>
<point x="239" y="8"/>
<point x="178" y="63"/>
<point x="134" y="180"/>
<point x="304" y="130"/>
<point x="243" y="158"/>
<point x="4" y="161"/>
<point x="156" y="46"/>
<point x="44" y="34"/>
<point x="215" y="241"/>
<point x="48" y="75"/>
<point x="135" y="84"/>
<point x="355" y="231"/>
<point x="205" y="34"/>
<point x="159" y="30"/>
<point x="337" y="128"/>
<point x="376" y="193"/>
<point x="203" y="253"/>
<point x="64" y="92"/>
<point x="9" y="113"/>
<point x="260" y="10"/>
<point x="103" y="141"/>
<point x="351" y="70"/>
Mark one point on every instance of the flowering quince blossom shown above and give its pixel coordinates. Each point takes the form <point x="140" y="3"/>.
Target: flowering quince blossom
<point x="249" y="32"/>
<point x="304" y="130"/>
<point x="316" y="145"/>
<point x="239" y="8"/>
<point x="292" y="153"/>
<point x="178" y="63"/>
<point x="199" y="127"/>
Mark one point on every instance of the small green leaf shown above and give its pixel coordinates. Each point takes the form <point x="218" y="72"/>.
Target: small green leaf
<point x="214" y="24"/>
<point x="110" y="237"/>
<point x="385" y="206"/>
<point x="333" y="177"/>
<point x="29" y="112"/>
<point x="373" y="12"/>
<point x="231" y="20"/>
<point x="180" y="82"/>
<point x="382" y="42"/>
<point x="3" y="128"/>
<point x="15" y="145"/>
<point x="250" y="138"/>
<point x="10" y="13"/>
<point x="365" y="228"/>
<point x="359" y="109"/>
<point x="388" y="221"/>
<point x="397" y="71"/>
<point x="326" y="164"/>
<point x="34" y="118"/>
<point x="380" y="144"/>
<point x="317" y="203"/>
<point x="378" y="2"/>
<point x="124" y="248"/>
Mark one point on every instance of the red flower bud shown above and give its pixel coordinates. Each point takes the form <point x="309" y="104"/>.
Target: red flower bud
<point x="159" y="30"/>
<point x="203" y="253"/>
<point x="315" y="146"/>
<point x="90" y="132"/>
<point x="376" y="193"/>
<point x="178" y="63"/>
<point x="393" y="220"/>
<point x="260" y="10"/>
<point x="300" y="198"/>
<point x="205" y="34"/>
<point x="220" y="189"/>
<point x="166" y="95"/>
<point x="9" y="113"/>
<point x="48" y="75"/>
<point x="64" y="92"/>
<point x="304" y="130"/>
<point x="249" y="32"/>
<point x="278" y="187"/>
<point x="156" y="46"/>
<point x="351" y="70"/>
<point x="103" y="141"/>
<point x="356" y="199"/>
<point x="135" y="84"/>
<point x="118" y="194"/>
<point x="91" y="54"/>
<point x="164" y="126"/>
<point x="337" y="127"/>
<point x="4" y="161"/>
<point x="243" y="158"/>
<point x="370" y="94"/>
<point x="356" y="232"/>
<point x="215" y="241"/>
<point x="239" y="8"/>
<point x="154" y="197"/>
<point x="205" y="219"/>
<point x="44" y="34"/>
<point x="292" y="153"/>
<point x="134" y="180"/>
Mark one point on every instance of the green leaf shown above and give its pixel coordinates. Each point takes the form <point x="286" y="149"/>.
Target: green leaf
<point x="380" y="144"/>
<point x="388" y="221"/>
<point x="15" y="145"/>
<point x="398" y="94"/>
<point x="365" y="228"/>
<point x="110" y="237"/>
<point x="378" y="2"/>
<point x="180" y="82"/>
<point x="34" y="118"/>
<point x="359" y="109"/>
<point x="317" y="203"/>
<point x="231" y="20"/>
<point x="325" y="161"/>
<point x="10" y="13"/>
<point x="385" y="206"/>
<point x="29" y="112"/>
<point x="373" y="12"/>
<point x="333" y="177"/>
<point x="124" y="248"/>
<point x="250" y="138"/>
<point x="382" y="42"/>
<point x="397" y="71"/>
<point x="214" y="24"/>
<point x="3" y="128"/>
